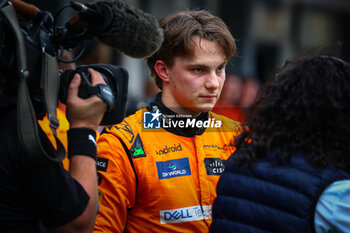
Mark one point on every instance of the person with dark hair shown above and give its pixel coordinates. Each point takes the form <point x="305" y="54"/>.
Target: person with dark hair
<point x="290" y="170"/>
<point x="159" y="168"/>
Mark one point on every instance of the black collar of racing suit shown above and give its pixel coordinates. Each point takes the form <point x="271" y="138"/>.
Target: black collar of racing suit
<point x="184" y="131"/>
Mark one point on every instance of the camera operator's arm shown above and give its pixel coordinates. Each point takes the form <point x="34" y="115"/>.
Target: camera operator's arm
<point x="84" y="116"/>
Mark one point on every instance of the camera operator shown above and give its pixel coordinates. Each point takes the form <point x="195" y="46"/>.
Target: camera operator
<point x="47" y="198"/>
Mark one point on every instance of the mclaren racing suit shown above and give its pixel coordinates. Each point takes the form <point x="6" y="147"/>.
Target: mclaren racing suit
<point x="61" y="132"/>
<point x="163" y="179"/>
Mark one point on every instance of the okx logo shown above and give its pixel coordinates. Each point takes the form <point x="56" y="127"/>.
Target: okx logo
<point x="151" y="120"/>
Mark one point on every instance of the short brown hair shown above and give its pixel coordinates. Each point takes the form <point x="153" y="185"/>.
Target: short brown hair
<point x="179" y="30"/>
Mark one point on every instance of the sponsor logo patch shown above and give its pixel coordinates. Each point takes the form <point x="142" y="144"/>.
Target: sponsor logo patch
<point x="188" y="214"/>
<point x="224" y="147"/>
<point x="137" y="149"/>
<point x="168" y="149"/>
<point x="138" y="152"/>
<point x="173" y="168"/>
<point x="212" y="146"/>
<point x="101" y="164"/>
<point x="214" y="166"/>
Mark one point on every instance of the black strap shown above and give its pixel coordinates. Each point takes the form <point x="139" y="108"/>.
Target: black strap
<point x="51" y="87"/>
<point x="104" y="92"/>
<point x="28" y="130"/>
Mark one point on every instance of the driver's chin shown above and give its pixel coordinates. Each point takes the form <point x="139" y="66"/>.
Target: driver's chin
<point x="205" y="107"/>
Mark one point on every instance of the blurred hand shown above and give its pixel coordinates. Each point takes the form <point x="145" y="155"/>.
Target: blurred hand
<point x="85" y="113"/>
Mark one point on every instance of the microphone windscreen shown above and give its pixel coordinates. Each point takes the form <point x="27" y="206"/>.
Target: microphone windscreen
<point x="133" y="31"/>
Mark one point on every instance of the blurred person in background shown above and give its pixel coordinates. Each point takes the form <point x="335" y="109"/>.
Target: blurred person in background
<point x="229" y="101"/>
<point x="250" y="90"/>
<point x="290" y="171"/>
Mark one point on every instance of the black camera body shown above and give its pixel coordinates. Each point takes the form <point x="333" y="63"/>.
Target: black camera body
<point x="113" y="93"/>
<point x="41" y="35"/>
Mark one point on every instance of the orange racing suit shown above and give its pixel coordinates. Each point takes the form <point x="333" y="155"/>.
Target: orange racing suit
<point x="61" y="132"/>
<point x="154" y="180"/>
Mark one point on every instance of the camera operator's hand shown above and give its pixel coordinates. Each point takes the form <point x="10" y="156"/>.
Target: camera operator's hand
<point x="85" y="113"/>
<point x="84" y="116"/>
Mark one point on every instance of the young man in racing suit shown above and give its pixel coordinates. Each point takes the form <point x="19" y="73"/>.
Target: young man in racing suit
<point x="159" y="168"/>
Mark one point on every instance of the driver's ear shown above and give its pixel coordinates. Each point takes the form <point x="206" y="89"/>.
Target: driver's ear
<point x="162" y="70"/>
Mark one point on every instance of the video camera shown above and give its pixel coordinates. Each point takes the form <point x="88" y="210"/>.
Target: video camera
<point x="29" y="76"/>
<point x="43" y="37"/>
